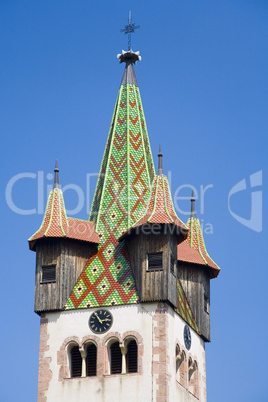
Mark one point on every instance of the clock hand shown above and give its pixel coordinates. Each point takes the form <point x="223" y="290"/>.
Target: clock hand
<point x="106" y="319"/>
<point x="98" y="318"/>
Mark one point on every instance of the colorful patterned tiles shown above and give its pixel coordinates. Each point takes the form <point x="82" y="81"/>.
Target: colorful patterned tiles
<point x="121" y="196"/>
<point x="184" y="309"/>
<point x="106" y="280"/>
<point x="56" y="224"/>
<point x="127" y="170"/>
<point x="160" y="207"/>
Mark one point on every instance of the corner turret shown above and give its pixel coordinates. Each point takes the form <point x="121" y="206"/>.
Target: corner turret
<point x="195" y="269"/>
<point x="62" y="245"/>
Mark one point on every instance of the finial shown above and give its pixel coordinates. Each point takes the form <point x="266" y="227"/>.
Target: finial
<point x="193" y="215"/>
<point x="160" y="163"/>
<point x="56" y="179"/>
<point x="129" y="29"/>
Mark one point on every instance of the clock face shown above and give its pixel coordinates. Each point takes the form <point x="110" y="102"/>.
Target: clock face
<point x="187" y="337"/>
<point x="100" y="321"/>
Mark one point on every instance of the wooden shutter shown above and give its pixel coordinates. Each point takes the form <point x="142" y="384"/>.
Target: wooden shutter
<point x="76" y="362"/>
<point x="91" y="360"/>
<point x="116" y="358"/>
<point x="132" y="357"/>
<point x="155" y="261"/>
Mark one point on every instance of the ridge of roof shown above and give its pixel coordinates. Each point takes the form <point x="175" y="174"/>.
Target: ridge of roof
<point x="193" y="249"/>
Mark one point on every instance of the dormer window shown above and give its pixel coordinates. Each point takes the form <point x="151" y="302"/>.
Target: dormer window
<point x="155" y="261"/>
<point x="48" y="274"/>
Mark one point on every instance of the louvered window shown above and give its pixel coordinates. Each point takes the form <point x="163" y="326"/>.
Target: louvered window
<point x="48" y="274"/>
<point x="155" y="261"/>
<point x="172" y="264"/>
<point x="91" y="360"/>
<point x="132" y="357"/>
<point x="76" y="362"/>
<point x="116" y="358"/>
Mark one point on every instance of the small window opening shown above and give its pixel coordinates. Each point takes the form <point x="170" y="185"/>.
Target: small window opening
<point x="48" y="274"/>
<point x="116" y="358"/>
<point x="206" y="303"/>
<point x="132" y="357"/>
<point x="91" y="360"/>
<point x="172" y="264"/>
<point x="76" y="362"/>
<point x="155" y="261"/>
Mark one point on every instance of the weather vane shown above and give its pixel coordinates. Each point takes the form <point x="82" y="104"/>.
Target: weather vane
<point x="129" y="29"/>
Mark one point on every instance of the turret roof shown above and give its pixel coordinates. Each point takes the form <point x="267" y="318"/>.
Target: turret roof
<point x="56" y="223"/>
<point x="193" y="249"/>
<point x="160" y="207"/>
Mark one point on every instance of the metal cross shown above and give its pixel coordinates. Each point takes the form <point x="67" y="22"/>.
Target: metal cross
<point x="129" y="29"/>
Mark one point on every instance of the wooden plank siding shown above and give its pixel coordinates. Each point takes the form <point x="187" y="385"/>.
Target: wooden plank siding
<point x="70" y="257"/>
<point x="196" y="284"/>
<point x="157" y="285"/>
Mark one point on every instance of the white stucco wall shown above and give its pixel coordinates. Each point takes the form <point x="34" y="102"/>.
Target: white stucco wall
<point x="125" y="387"/>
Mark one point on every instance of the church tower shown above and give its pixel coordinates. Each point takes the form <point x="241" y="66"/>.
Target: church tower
<point x="123" y="297"/>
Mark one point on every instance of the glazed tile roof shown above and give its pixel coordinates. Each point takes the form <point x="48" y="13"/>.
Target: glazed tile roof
<point x="121" y="195"/>
<point x="56" y="224"/>
<point x="193" y="249"/>
<point x="160" y="207"/>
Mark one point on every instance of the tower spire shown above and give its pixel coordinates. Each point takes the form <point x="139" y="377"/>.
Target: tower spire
<point x="193" y="214"/>
<point x="160" y="171"/>
<point x="56" y="178"/>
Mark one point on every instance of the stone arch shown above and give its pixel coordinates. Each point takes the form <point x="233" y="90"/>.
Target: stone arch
<point x="128" y="337"/>
<point x="63" y="356"/>
<point x="114" y="355"/>
<point x="74" y="359"/>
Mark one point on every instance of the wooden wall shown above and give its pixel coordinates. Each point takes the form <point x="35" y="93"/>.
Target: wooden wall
<point x="70" y="257"/>
<point x="196" y="283"/>
<point x="159" y="284"/>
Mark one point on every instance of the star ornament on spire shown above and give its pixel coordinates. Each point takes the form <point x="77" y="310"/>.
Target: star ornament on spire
<point x="129" y="29"/>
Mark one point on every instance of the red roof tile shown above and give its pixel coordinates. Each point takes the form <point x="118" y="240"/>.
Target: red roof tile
<point x="160" y="207"/>
<point x="193" y="249"/>
<point x="56" y="224"/>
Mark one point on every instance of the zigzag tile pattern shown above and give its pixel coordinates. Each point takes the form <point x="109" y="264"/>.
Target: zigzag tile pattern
<point x="184" y="309"/>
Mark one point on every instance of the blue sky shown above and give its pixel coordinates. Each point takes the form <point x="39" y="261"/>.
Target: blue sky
<point x="203" y="83"/>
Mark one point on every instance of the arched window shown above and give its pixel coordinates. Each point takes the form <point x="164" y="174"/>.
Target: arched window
<point x="75" y="362"/>
<point x="193" y="377"/>
<point x="132" y="357"/>
<point x="115" y="358"/>
<point x="91" y="360"/>
<point x="181" y="367"/>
